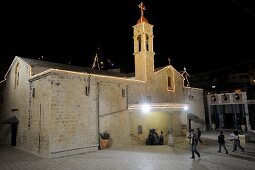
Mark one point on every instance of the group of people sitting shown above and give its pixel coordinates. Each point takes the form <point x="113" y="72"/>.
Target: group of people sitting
<point x="154" y="138"/>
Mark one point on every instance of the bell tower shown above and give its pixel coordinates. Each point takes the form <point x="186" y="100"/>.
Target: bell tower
<point x="143" y="47"/>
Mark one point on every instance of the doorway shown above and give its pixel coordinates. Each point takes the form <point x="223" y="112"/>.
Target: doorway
<point x="14" y="127"/>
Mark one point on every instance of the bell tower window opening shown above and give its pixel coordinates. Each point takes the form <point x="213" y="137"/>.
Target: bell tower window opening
<point x="147" y="42"/>
<point x="139" y="43"/>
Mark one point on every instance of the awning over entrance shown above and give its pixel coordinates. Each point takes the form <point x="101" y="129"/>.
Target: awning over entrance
<point x="11" y="120"/>
<point x="195" y="118"/>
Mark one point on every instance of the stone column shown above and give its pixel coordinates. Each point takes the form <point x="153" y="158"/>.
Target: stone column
<point x="246" y="111"/>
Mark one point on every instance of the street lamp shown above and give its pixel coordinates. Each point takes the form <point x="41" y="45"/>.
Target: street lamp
<point x="145" y="108"/>
<point x="186" y="108"/>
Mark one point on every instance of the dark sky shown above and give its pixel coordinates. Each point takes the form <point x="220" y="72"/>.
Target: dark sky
<point x="200" y="35"/>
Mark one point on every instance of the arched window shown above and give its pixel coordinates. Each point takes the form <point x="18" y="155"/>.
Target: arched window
<point x="16" y="81"/>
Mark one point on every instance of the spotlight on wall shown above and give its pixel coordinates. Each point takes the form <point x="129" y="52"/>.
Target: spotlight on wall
<point x="213" y="98"/>
<point x="225" y="97"/>
<point x="237" y="97"/>
<point x="145" y="108"/>
<point x="186" y="108"/>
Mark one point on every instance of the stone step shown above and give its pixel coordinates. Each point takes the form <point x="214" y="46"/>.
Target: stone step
<point x="3" y="141"/>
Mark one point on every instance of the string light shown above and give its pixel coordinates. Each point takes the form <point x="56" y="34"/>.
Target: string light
<point x="158" y="106"/>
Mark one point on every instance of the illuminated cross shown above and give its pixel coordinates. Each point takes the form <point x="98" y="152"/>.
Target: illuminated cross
<point x="142" y="7"/>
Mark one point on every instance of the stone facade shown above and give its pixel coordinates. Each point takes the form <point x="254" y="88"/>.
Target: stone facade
<point x="62" y="111"/>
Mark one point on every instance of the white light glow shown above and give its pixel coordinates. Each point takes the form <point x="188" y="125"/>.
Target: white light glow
<point x="145" y="108"/>
<point x="185" y="108"/>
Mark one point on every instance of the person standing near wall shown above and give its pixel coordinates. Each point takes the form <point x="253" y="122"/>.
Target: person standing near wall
<point x="161" y="138"/>
<point x="199" y="135"/>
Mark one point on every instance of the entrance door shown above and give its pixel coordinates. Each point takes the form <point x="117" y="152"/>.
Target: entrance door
<point x="14" y="134"/>
<point x="228" y="121"/>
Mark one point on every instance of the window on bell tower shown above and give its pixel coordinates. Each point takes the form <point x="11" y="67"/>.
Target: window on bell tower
<point x="147" y="42"/>
<point x="139" y="43"/>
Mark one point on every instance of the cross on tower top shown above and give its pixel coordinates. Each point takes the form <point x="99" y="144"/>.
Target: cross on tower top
<point x="142" y="7"/>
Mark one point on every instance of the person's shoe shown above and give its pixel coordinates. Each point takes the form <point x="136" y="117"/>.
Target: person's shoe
<point x="219" y="151"/>
<point x="243" y="150"/>
<point x="226" y="152"/>
<point x="192" y="157"/>
<point x="198" y="155"/>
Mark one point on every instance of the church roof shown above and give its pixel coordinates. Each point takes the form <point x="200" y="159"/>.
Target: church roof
<point x="52" y="65"/>
<point x="142" y="19"/>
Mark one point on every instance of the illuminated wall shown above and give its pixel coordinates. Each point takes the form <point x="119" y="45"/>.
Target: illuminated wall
<point x="15" y="103"/>
<point x="59" y="111"/>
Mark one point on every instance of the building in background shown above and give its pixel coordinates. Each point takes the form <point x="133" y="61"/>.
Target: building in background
<point x="229" y="96"/>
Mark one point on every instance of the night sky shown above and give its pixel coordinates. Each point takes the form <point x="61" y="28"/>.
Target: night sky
<point x="200" y="35"/>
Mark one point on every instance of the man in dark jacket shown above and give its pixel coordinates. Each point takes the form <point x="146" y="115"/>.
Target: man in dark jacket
<point x="221" y="142"/>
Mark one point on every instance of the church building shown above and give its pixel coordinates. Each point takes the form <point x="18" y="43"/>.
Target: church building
<point x="54" y="110"/>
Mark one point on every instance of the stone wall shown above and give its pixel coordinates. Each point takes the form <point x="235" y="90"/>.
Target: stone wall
<point x="158" y="88"/>
<point x="40" y="109"/>
<point x="196" y="106"/>
<point x="15" y="103"/>
<point x="73" y="119"/>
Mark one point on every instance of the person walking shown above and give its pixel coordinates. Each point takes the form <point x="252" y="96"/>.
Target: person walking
<point x="199" y="135"/>
<point x="236" y="142"/>
<point x="193" y="141"/>
<point x="221" y="141"/>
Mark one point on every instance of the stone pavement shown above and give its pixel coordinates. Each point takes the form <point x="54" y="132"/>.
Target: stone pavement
<point x="136" y="157"/>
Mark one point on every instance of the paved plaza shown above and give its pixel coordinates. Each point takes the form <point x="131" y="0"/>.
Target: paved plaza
<point x="135" y="158"/>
